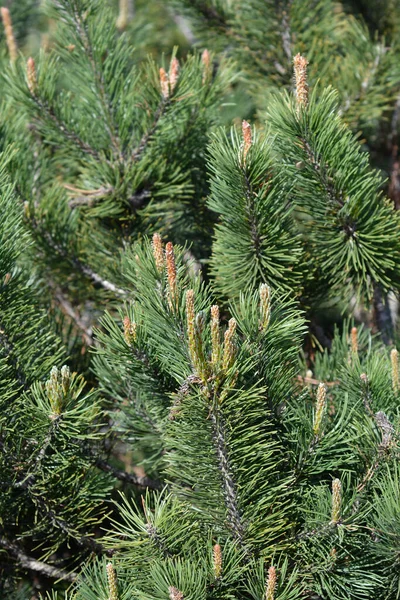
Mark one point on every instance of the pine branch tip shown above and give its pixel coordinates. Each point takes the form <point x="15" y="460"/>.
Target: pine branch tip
<point x="300" y="75"/>
<point x="271" y="584"/>
<point x="158" y="252"/>
<point x="217" y="559"/>
<point x="9" y="33"/>
<point x="112" y="582"/>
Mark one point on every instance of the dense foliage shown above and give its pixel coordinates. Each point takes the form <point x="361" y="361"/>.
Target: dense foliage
<point x="199" y="277"/>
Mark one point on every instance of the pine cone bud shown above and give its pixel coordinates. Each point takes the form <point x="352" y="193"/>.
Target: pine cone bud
<point x="129" y="331"/>
<point x="217" y="557"/>
<point x="200" y="322"/>
<point x="164" y="83"/>
<point x="215" y="339"/>
<point x="158" y="252"/>
<point x="271" y="584"/>
<point x="174" y="593"/>
<point x="171" y="275"/>
<point x="336" y="501"/>
<point x="394" y="358"/>
<point x="247" y="139"/>
<point x="300" y="75"/>
<point x="320" y="407"/>
<point x="57" y="387"/>
<point x="173" y="73"/>
<point x="112" y="582"/>
<point x="354" y="340"/>
<point x="9" y="32"/>
<point x="265" y="306"/>
<point x="31" y="75"/>
<point x="65" y="379"/>
<point x="229" y="348"/>
<point x="206" y="60"/>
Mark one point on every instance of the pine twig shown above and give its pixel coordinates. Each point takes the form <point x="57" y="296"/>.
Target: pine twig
<point x="31" y="564"/>
<point x="142" y="482"/>
<point x="137" y="153"/>
<point x="67" y="133"/>
<point x="69" y="310"/>
<point x="230" y="492"/>
<point x="85" y="269"/>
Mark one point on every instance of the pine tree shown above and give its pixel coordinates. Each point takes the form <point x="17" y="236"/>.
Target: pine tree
<point x="233" y="431"/>
<point x="118" y="151"/>
<point x="50" y="492"/>
<point x="280" y="481"/>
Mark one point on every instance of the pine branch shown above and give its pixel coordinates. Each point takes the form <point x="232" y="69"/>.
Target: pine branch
<point x="31" y="564"/>
<point x="111" y="126"/>
<point x="229" y="487"/>
<point x="141" y="482"/>
<point x="88" y="197"/>
<point x="75" y="262"/>
<point x="30" y="479"/>
<point x="286" y="33"/>
<point x="27" y="483"/>
<point x="84" y="541"/>
<point x="387" y="431"/>
<point x="321" y="168"/>
<point x="69" y="134"/>
<point x="69" y="310"/>
<point x="138" y="152"/>
<point x="249" y="193"/>
<point x="157" y="540"/>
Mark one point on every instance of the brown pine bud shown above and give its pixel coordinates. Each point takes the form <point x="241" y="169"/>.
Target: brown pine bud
<point x="354" y="340"/>
<point x="336" y="501"/>
<point x="129" y="331"/>
<point x="158" y="252"/>
<point x="9" y="32"/>
<point x="171" y="275"/>
<point x="173" y="73"/>
<point x="300" y="75"/>
<point x="125" y="14"/>
<point x="247" y="138"/>
<point x="175" y="594"/>
<point x="112" y="582"/>
<point x="31" y="75"/>
<point x="229" y="347"/>
<point x="271" y="584"/>
<point x="164" y="83"/>
<point x="206" y="60"/>
<point x="215" y="339"/>
<point x="217" y="558"/>
<point x="394" y="358"/>
<point x="320" y="408"/>
<point x="265" y="306"/>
